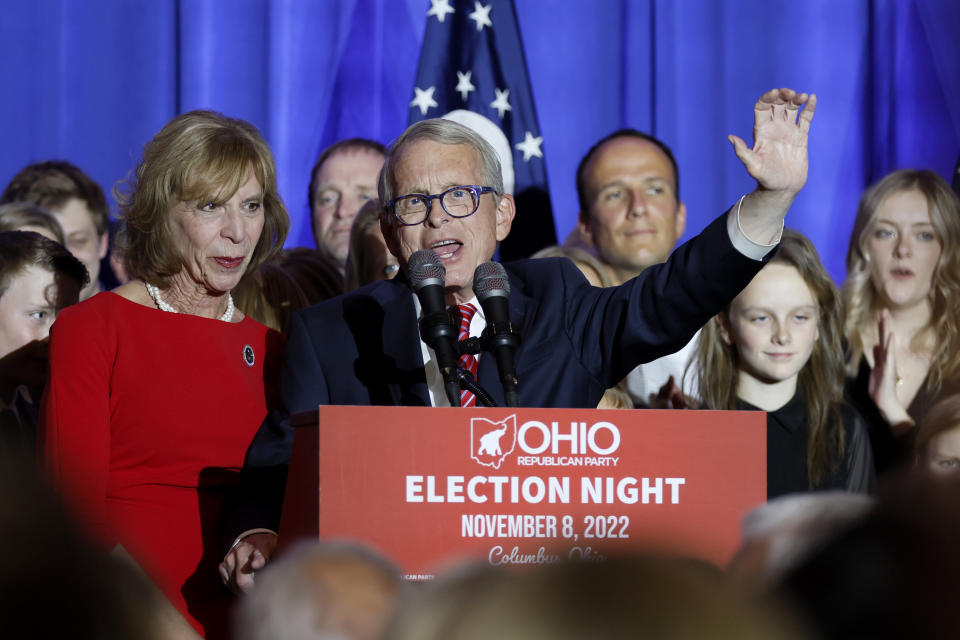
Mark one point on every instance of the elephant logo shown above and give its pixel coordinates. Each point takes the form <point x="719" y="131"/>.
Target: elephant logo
<point x="491" y="442"/>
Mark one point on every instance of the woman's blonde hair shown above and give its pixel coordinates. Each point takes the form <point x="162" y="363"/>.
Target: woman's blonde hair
<point x="581" y="259"/>
<point x="821" y="378"/>
<point x="199" y="155"/>
<point x="861" y="301"/>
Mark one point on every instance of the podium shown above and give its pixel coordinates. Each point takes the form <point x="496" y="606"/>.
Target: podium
<point x="429" y="487"/>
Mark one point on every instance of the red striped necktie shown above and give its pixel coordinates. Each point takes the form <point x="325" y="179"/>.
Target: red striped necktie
<point x="467" y="361"/>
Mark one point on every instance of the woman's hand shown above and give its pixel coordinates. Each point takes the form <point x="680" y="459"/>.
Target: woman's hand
<point x="883" y="378"/>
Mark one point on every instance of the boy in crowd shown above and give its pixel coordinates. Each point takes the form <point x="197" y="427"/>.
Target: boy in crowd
<point x="78" y="204"/>
<point x="38" y="278"/>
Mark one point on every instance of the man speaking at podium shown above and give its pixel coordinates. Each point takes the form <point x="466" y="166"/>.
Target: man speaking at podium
<point x="442" y="191"/>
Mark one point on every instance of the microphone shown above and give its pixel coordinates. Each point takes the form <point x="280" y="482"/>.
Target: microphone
<point x="427" y="275"/>
<point x="492" y="287"/>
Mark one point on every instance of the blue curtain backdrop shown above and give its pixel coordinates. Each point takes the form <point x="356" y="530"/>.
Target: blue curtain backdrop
<point x="92" y="81"/>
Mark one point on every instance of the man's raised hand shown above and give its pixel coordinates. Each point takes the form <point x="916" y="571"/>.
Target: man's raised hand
<point x="778" y="159"/>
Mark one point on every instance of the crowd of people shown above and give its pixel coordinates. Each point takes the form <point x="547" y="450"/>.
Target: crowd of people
<point x="159" y="410"/>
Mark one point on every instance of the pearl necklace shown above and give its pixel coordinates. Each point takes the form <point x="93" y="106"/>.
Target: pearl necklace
<point x="163" y="305"/>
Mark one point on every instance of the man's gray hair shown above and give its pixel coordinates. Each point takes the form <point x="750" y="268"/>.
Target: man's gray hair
<point x="443" y="132"/>
<point x="321" y="591"/>
<point x="794" y="525"/>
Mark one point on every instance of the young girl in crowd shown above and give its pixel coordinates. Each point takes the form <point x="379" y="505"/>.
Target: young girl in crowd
<point x="777" y="348"/>
<point x="902" y="303"/>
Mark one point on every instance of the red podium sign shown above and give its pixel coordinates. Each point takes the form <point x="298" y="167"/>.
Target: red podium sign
<point x="428" y="486"/>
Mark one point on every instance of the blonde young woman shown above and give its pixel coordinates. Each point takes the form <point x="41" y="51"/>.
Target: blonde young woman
<point x="902" y="302"/>
<point x="776" y="348"/>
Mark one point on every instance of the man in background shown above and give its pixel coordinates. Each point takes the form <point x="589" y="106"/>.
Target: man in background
<point x="344" y="178"/>
<point x="632" y="216"/>
<point x="78" y="204"/>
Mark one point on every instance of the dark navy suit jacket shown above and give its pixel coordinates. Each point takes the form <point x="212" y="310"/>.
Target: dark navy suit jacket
<point x="363" y="348"/>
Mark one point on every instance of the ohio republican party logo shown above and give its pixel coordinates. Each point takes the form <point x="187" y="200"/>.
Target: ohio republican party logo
<point x="491" y="442"/>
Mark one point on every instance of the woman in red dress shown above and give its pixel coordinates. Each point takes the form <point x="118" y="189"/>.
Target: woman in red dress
<point x="157" y="388"/>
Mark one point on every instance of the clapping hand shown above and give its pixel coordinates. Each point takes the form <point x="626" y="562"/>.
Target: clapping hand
<point x="671" y="396"/>
<point x="883" y="381"/>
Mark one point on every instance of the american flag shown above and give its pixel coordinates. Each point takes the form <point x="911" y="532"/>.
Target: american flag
<point x="472" y="63"/>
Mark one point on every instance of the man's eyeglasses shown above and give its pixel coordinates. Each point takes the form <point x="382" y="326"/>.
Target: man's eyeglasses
<point x="458" y="202"/>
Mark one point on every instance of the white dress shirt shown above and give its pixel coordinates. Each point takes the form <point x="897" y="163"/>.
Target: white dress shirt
<point x="435" y="386"/>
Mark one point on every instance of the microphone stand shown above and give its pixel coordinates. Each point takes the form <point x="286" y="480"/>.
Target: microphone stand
<point x="466" y="379"/>
<point x="467" y="382"/>
<point x="443" y="335"/>
<point x="499" y="338"/>
<point x="427" y="275"/>
<point x="491" y="284"/>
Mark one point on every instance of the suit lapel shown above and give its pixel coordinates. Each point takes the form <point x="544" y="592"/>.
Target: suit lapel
<point x="401" y="346"/>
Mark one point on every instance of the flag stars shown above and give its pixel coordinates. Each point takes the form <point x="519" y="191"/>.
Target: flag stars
<point x="464" y="86"/>
<point x="423" y="99"/>
<point x="502" y="102"/>
<point x="530" y="147"/>
<point x="440" y="9"/>
<point x="481" y="15"/>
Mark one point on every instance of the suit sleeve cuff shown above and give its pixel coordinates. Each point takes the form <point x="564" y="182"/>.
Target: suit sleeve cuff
<point x="744" y="244"/>
<point x="249" y="532"/>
